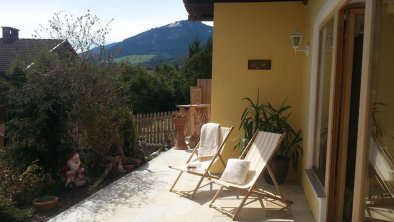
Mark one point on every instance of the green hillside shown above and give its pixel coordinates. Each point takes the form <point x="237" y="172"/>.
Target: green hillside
<point x="135" y="59"/>
<point x="161" y="44"/>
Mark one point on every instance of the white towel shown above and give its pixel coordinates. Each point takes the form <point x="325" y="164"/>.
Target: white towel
<point x="209" y="140"/>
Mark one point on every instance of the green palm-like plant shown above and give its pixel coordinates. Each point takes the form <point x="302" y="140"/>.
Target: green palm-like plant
<point x="277" y="122"/>
<point x="252" y="118"/>
<point x="264" y="116"/>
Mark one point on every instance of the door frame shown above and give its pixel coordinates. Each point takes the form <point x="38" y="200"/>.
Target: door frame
<point x="341" y="111"/>
<point x="364" y="111"/>
<point x="331" y="9"/>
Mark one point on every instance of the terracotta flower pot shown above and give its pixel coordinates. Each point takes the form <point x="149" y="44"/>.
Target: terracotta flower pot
<point x="46" y="203"/>
<point x="180" y="124"/>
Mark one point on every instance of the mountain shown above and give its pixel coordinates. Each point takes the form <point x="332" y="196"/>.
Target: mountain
<point x="160" y="44"/>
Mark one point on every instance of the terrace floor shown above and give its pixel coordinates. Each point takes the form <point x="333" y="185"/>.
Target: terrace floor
<point x="143" y="195"/>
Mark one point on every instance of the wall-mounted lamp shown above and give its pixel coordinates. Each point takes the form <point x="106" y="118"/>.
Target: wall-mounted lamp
<point x="295" y="39"/>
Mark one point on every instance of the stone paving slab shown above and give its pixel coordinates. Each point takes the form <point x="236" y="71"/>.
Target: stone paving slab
<point x="143" y="196"/>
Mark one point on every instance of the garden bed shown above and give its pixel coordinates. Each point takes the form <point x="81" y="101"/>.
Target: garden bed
<point x="70" y="197"/>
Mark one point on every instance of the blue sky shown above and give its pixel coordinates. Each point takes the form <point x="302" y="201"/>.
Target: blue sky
<point x="130" y="16"/>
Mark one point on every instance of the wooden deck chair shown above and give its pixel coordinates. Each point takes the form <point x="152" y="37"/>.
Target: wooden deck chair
<point x="200" y="166"/>
<point x="258" y="153"/>
<point x="383" y="165"/>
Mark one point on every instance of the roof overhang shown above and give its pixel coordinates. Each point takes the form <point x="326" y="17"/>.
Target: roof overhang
<point x="202" y="10"/>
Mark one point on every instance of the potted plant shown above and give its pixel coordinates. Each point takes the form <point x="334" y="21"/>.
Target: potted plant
<point x="264" y="116"/>
<point x="180" y="120"/>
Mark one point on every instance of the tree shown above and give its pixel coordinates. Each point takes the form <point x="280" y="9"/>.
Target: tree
<point x="194" y="47"/>
<point x="151" y="91"/>
<point x="65" y="104"/>
<point x="83" y="32"/>
<point x="199" y="65"/>
<point x="175" y="82"/>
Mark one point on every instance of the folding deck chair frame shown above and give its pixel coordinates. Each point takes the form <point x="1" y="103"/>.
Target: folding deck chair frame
<point x="204" y="173"/>
<point x="250" y="187"/>
<point x="383" y="166"/>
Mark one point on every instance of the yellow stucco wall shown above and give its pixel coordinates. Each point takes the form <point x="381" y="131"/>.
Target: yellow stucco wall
<point x="312" y="9"/>
<point x="245" y="31"/>
<point x="255" y="31"/>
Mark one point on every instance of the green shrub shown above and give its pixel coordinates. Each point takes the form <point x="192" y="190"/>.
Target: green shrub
<point x="152" y="91"/>
<point x="264" y="116"/>
<point x="61" y="105"/>
<point x="10" y="213"/>
<point x="25" y="186"/>
<point x="38" y="108"/>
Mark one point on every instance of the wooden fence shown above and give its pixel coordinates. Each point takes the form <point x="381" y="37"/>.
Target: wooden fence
<point x="158" y="128"/>
<point x="155" y="128"/>
<point x="205" y="85"/>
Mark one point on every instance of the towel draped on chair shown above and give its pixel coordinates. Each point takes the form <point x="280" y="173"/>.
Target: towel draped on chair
<point x="208" y="150"/>
<point x="209" y="140"/>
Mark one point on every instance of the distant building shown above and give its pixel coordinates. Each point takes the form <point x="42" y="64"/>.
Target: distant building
<point x="25" y="50"/>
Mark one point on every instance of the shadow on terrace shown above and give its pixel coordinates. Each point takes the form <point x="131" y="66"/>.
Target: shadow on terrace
<point x="143" y="195"/>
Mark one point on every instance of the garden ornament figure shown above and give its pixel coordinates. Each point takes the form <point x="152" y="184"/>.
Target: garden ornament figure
<point x="72" y="172"/>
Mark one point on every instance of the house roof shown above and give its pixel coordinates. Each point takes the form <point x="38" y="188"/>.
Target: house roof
<point x="202" y="10"/>
<point x="24" y="49"/>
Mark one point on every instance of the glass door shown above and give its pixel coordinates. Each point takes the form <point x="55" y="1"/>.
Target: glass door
<point x="379" y="175"/>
